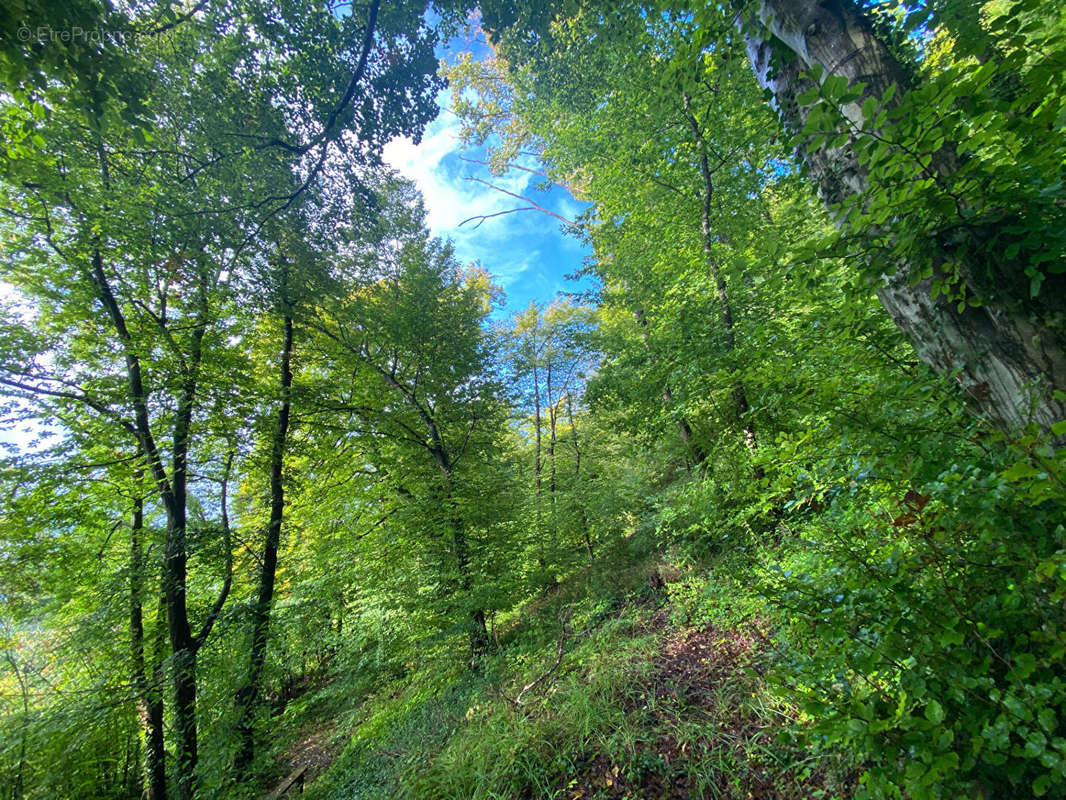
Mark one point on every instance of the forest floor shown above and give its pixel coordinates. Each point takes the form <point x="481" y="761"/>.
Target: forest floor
<point x="693" y="678"/>
<point x="649" y="700"/>
<point x="314" y="752"/>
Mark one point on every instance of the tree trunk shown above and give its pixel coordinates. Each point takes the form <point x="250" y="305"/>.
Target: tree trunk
<point x="17" y="787"/>
<point x="1006" y="354"/>
<point x="155" y="706"/>
<point x="552" y="479"/>
<point x="538" y="521"/>
<point x="183" y="643"/>
<point x="183" y="655"/>
<point x="577" y="477"/>
<point x="479" y="632"/>
<point x="172" y="491"/>
<point x="248" y="697"/>
<point x="740" y="395"/>
<point x="149" y="696"/>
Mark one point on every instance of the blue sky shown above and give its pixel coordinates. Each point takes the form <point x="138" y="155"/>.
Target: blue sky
<point x="526" y="252"/>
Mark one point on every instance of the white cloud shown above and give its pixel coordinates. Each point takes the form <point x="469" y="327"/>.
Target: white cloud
<point x="505" y="245"/>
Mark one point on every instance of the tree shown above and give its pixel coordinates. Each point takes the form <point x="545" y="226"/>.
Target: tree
<point x="976" y="283"/>
<point x="684" y="145"/>
<point x="973" y="275"/>
<point x="248" y="695"/>
<point x="409" y="335"/>
<point x="142" y="197"/>
<point x="548" y="361"/>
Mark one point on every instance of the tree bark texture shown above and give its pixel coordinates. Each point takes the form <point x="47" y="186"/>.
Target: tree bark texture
<point x="1008" y="354"/>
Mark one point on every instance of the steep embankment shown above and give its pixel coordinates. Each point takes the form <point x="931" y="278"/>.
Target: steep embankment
<point x="619" y="683"/>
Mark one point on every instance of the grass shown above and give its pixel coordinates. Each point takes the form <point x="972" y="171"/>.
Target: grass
<point x="657" y="694"/>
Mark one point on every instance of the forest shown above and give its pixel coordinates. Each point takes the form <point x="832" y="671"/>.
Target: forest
<point x="771" y="505"/>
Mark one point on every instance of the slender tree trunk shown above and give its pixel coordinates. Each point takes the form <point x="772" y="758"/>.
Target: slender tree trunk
<point x="184" y="644"/>
<point x="155" y="749"/>
<point x="1007" y="354"/>
<point x="538" y="520"/>
<point x="183" y="657"/>
<point x="552" y="477"/>
<point x="248" y="697"/>
<point x="18" y="785"/>
<point x="740" y="395"/>
<point x="577" y="477"/>
<point x="132" y="777"/>
<point x="553" y="516"/>
<point x="149" y="697"/>
<point x="479" y="632"/>
<point x="172" y="491"/>
<point x="156" y="693"/>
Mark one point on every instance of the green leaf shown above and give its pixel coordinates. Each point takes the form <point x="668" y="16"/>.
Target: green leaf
<point x="934" y="712"/>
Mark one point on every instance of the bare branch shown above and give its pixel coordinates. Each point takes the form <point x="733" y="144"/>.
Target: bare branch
<point x="512" y="165"/>
<point x="534" y="205"/>
<point x="564" y="634"/>
<point x="482" y="217"/>
<point x="178" y="21"/>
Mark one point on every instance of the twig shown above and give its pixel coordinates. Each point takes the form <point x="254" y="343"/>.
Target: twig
<point x="532" y="203"/>
<point x="564" y="634"/>
<point x="482" y="217"/>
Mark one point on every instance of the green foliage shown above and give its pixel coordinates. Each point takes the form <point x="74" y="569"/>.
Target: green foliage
<point x="969" y="156"/>
<point x="722" y="530"/>
<point x="927" y="623"/>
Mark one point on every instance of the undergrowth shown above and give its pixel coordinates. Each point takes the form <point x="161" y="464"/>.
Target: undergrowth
<point x="643" y="686"/>
<point x="897" y="639"/>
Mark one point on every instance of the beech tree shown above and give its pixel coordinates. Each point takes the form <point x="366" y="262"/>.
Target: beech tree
<point x="973" y="275"/>
<point x="409" y="335"/>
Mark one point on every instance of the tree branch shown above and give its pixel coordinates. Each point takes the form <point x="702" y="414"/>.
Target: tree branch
<point x="532" y="203"/>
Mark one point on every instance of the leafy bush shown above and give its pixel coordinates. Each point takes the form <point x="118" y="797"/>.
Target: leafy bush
<point x="926" y="631"/>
